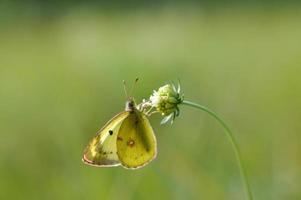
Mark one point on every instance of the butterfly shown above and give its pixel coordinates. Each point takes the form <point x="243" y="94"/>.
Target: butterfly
<point x="127" y="140"/>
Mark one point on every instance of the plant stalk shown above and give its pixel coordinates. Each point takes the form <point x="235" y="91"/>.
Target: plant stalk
<point x="232" y="141"/>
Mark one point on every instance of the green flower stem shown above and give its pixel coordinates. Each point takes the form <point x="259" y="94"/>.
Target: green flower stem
<point x="232" y="141"/>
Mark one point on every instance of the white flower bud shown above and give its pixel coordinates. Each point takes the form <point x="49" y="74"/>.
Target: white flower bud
<point x="166" y="100"/>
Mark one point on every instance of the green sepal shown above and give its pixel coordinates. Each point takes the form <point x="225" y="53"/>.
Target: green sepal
<point x="167" y="118"/>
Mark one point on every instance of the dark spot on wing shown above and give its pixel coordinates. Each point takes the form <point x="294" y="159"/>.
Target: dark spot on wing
<point x="110" y="132"/>
<point x="131" y="143"/>
<point x="119" y="138"/>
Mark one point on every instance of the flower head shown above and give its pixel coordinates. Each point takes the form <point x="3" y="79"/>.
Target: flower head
<point x="166" y="100"/>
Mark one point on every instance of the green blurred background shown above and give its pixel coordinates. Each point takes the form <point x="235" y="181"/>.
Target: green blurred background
<point x="61" y="69"/>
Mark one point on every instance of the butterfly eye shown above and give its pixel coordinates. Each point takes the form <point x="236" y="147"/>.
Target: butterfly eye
<point x="110" y="132"/>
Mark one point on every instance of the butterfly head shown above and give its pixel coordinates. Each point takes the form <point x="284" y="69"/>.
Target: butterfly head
<point x="130" y="105"/>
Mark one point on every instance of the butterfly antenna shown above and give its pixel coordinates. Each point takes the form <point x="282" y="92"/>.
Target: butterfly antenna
<point x="125" y="90"/>
<point x="133" y="87"/>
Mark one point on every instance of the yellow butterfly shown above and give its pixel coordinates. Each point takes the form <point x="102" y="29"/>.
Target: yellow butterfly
<point x="127" y="140"/>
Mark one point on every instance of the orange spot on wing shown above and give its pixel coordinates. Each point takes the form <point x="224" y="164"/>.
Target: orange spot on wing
<point x="131" y="143"/>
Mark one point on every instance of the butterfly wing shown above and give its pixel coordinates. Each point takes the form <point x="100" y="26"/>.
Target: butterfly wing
<point x="102" y="150"/>
<point x="136" y="142"/>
